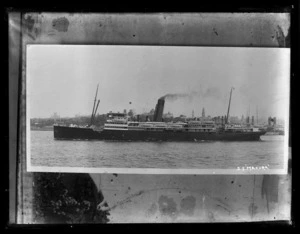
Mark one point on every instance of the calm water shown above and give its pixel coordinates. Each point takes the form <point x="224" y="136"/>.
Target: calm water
<point x="45" y="151"/>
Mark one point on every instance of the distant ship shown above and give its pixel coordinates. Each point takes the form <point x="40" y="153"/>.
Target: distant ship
<point x="119" y="127"/>
<point x="273" y="132"/>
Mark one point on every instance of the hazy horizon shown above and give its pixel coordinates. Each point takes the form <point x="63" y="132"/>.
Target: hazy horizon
<point x="63" y="79"/>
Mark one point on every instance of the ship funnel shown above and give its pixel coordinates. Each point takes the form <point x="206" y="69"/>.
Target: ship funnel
<point x="159" y="109"/>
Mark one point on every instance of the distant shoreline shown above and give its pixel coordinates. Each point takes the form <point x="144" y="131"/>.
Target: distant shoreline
<point x="41" y="129"/>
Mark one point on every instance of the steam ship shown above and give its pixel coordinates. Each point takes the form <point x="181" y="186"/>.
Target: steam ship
<point x="119" y="127"/>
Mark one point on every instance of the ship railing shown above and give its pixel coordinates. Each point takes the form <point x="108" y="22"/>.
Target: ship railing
<point x="116" y="121"/>
<point x="115" y="126"/>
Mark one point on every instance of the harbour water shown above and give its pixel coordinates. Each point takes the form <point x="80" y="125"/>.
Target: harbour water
<point x="45" y="151"/>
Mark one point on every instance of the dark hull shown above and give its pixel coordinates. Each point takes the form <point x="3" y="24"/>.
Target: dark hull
<point x="70" y="133"/>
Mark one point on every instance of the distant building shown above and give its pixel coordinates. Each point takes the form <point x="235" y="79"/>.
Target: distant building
<point x="55" y="116"/>
<point x="203" y="112"/>
<point x="152" y="112"/>
<point x="234" y="119"/>
<point x="180" y="118"/>
<point x="272" y="121"/>
<point x="248" y="119"/>
<point x="131" y="113"/>
<point x="168" y="115"/>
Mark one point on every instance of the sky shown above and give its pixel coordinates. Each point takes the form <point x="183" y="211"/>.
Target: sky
<point x="63" y="79"/>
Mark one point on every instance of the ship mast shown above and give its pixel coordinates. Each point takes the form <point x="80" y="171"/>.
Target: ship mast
<point x="227" y="117"/>
<point x="94" y="105"/>
<point x="95" y="111"/>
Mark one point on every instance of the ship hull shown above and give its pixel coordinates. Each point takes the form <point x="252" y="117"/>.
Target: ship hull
<point x="73" y="133"/>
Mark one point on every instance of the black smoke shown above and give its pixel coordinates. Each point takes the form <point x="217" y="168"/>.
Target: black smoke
<point x="208" y="93"/>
